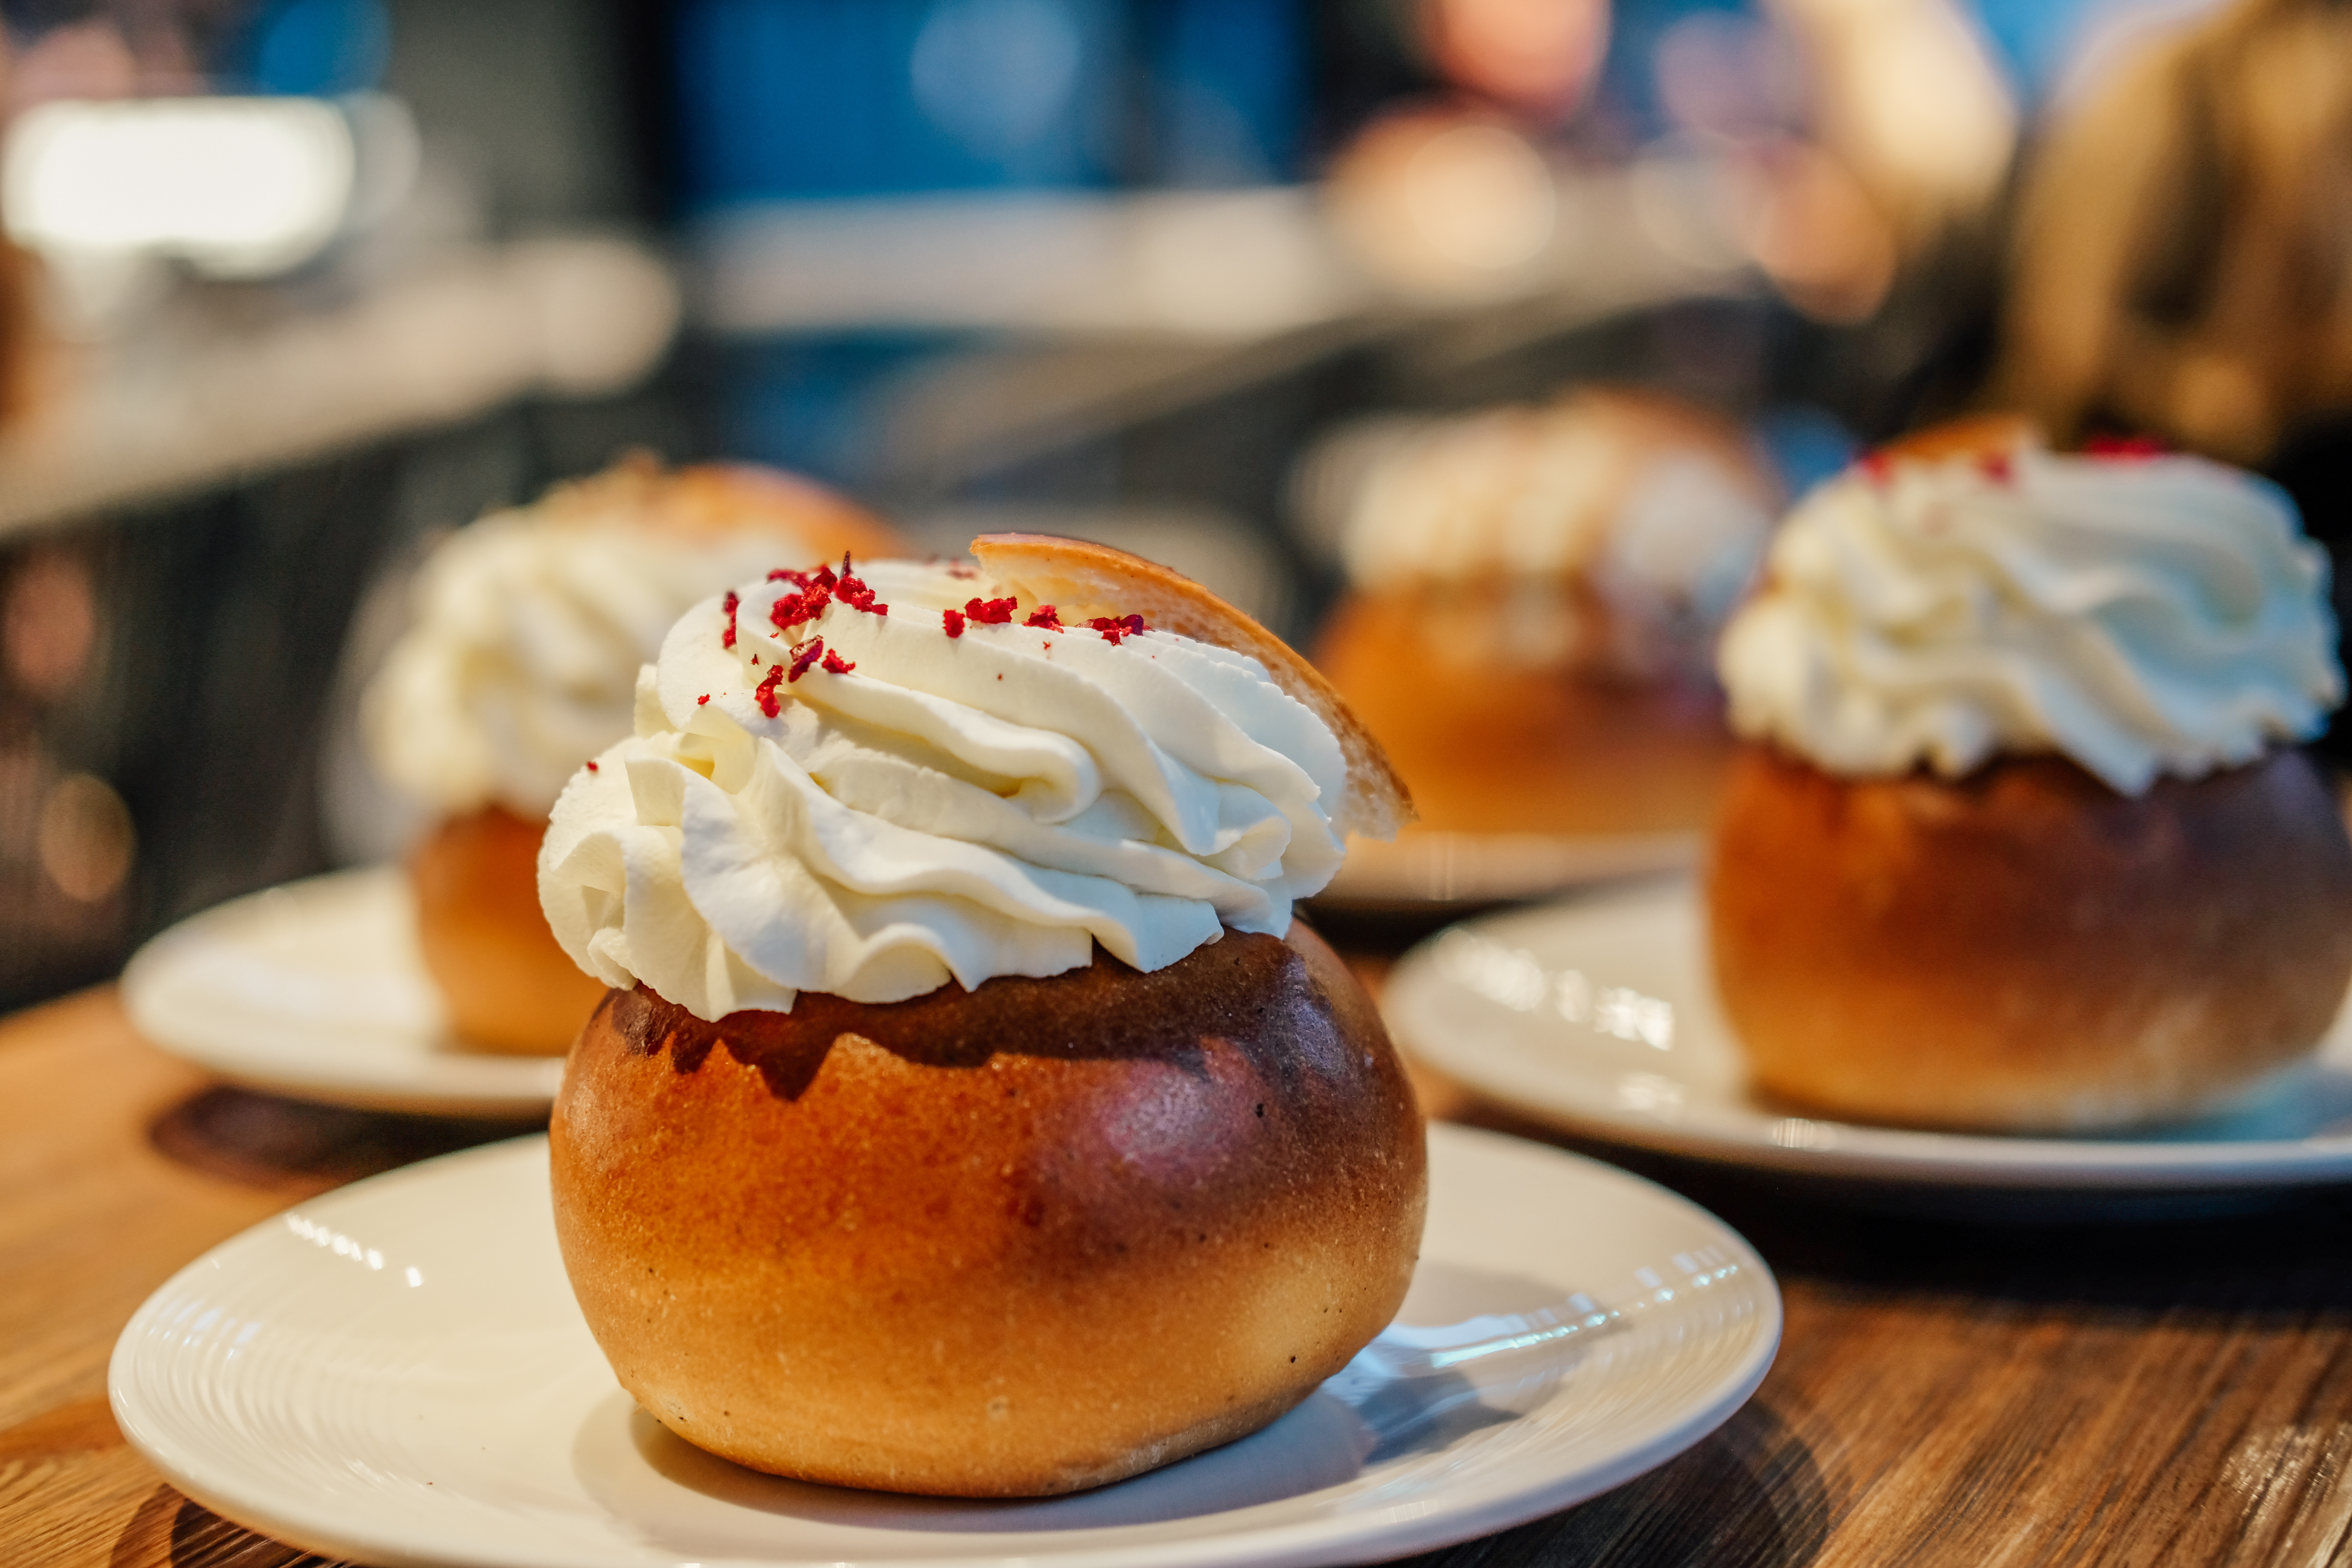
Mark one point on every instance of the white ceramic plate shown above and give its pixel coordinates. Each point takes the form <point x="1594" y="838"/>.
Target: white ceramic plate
<point x="316" y="989"/>
<point x="1420" y="869"/>
<point x="1597" y="1014"/>
<point x="396" y="1373"/>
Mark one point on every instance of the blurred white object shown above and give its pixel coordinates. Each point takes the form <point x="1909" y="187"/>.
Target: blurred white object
<point x="574" y="317"/>
<point x="1210" y="264"/>
<point x="1445" y="206"/>
<point x="237" y="187"/>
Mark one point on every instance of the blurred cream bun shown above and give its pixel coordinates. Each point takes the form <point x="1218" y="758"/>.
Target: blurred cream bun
<point x="1533" y="597"/>
<point x="2024" y="841"/>
<point x="967" y="1114"/>
<point x="528" y="629"/>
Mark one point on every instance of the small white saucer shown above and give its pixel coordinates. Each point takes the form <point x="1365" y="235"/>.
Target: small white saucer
<point x="1597" y="1015"/>
<point x="1420" y="870"/>
<point x="315" y="989"/>
<point x="397" y="1372"/>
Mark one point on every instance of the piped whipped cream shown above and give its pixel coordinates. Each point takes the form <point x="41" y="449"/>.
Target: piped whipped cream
<point x="887" y="791"/>
<point x="2141" y="614"/>
<point x="521" y="657"/>
<point x="1597" y="487"/>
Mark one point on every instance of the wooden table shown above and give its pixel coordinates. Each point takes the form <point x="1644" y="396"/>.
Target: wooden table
<point x="2157" y="1391"/>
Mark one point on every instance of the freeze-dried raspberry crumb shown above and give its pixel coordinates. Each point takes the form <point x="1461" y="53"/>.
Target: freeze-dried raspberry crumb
<point x="766" y="691"/>
<point x="804" y="655"/>
<point x="1115" y="628"/>
<point x="2124" y="448"/>
<point x="592" y="767"/>
<point x="795" y="609"/>
<point x="703" y="700"/>
<point x="1046" y="617"/>
<point x="953" y="621"/>
<point x="727" y="639"/>
<point x="837" y="664"/>
<point x="991" y="612"/>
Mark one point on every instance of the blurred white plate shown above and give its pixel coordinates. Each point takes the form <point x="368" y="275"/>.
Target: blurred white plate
<point x="1597" y="1014"/>
<point x="397" y="1372"/>
<point x="1423" y="869"/>
<point x="316" y="989"/>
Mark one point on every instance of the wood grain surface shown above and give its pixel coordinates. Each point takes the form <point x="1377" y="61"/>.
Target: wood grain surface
<point x="2151" y="1388"/>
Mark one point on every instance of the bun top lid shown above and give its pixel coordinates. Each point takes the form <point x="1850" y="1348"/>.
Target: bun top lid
<point x="1974" y="593"/>
<point x="870" y="781"/>
<point x="527" y="628"/>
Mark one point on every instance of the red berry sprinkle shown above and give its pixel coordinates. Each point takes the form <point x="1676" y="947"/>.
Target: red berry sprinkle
<point x="837" y="664"/>
<point x="703" y="700"/>
<point x="1877" y="467"/>
<point x="727" y="639"/>
<point x="1998" y="466"/>
<point x="850" y="591"/>
<point x="793" y="609"/>
<point x="991" y="612"/>
<point x="2124" y="448"/>
<point x="765" y="694"/>
<point x="953" y="621"/>
<point x="804" y="655"/>
<point x="1046" y="616"/>
<point x="592" y="767"/>
<point x="1114" y="629"/>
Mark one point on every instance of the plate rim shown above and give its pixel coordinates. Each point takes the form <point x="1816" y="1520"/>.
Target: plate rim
<point x="520" y="1086"/>
<point x="1399" y="869"/>
<point x="1862" y="1150"/>
<point x="1373" y="1535"/>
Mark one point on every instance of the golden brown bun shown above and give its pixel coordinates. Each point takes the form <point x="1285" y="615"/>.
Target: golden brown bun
<point x="2024" y="949"/>
<point x="1519" y="702"/>
<point x="1084" y="580"/>
<point x="1015" y="1241"/>
<point x="509" y="986"/>
<point x="1494" y="744"/>
<point x="708" y="499"/>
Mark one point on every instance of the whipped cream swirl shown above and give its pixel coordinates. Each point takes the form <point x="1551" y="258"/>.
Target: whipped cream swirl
<point x="2142" y="615"/>
<point x="523" y="653"/>
<point x="897" y="807"/>
<point x="1652" y="508"/>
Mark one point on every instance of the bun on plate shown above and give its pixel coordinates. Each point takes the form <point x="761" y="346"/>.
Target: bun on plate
<point x="968" y="1115"/>
<point x="2021" y="841"/>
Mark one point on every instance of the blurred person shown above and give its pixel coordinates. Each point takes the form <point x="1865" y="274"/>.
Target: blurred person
<point x="1535" y="57"/>
<point x="2182" y="261"/>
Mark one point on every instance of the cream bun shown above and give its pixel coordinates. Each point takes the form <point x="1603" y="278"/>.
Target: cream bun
<point x="2024" y="841"/>
<point x="1533" y="595"/>
<point x="967" y="1114"/>
<point x="521" y="660"/>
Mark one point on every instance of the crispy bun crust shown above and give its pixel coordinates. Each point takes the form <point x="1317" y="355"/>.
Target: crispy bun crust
<point x="1084" y="580"/>
<point x="705" y="500"/>
<point x="2023" y="949"/>
<point x="1508" y="702"/>
<point x="1492" y="744"/>
<point x="508" y="987"/>
<point x="1015" y="1241"/>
